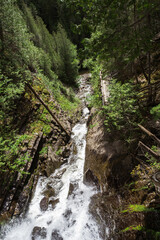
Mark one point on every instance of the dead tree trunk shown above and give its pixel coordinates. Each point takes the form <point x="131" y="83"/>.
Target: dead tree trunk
<point x="50" y="112"/>
<point x="149" y="134"/>
<point x="104" y="90"/>
<point x="149" y="150"/>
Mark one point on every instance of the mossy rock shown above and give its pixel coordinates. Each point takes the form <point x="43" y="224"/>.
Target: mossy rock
<point x="49" y="193"/>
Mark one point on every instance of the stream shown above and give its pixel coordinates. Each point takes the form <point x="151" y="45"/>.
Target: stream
<point x="69" y="219"/>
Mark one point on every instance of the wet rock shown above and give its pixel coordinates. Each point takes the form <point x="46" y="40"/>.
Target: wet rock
<point x="72" y="188"/>
<point x="66" y="153"/>
<point x="90" y="178"/>
<point x="54" y="202"/>
<point x="49" y="222"/>
<point x="39" y="232"/>
<point x="44" y="203"/>
<point x="63" y="161"/>
<point x="56" y="235"/>
<point x="74" y="149"/>
<point x="107" y="155"/>
<point x="60" y="173"/>
<point x="67" y="213"/>
<point x="52" y="163"/>
<point x="5" y="217"/>
<point x="49" y="192"/>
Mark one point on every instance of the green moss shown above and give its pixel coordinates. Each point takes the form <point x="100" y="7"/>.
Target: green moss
<point x="137" y="208"/>
<point x="93" y="125"/>
<point x="46" y="129"/>
<point x="44" y="150"/>
<point x="58" y="152"/>
<point x="133" y="228"/>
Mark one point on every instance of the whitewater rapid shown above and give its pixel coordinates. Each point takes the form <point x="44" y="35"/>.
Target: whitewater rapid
<point x="70" y="219"/>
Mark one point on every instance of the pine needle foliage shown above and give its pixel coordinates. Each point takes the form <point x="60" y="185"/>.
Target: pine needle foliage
<point x="122" y="110"/>
<point x="29" y="51"/>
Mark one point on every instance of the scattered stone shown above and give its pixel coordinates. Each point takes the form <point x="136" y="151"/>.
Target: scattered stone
<point x="54" y="202"/>
<point x="67" y="213"/>
<point x="44" y="204"/>
<point x="39" y="232"/>
<point x="49" y="222"/>
<point x="60" y="173"/>
<point x="72" y="187"/>
<point x="66" y="153"/>
<point x="56" y="235"/>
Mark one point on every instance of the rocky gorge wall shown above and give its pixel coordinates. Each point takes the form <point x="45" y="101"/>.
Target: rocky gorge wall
<point x="109" y="163"/>
<point x="107" y="155"/>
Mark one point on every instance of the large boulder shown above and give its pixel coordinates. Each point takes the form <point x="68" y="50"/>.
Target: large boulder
<point x="49" y="192"/>
<point x="39" y="232"/>
<point x="72" y="188"/>
<point x="44" y="204"/>
<point x="54" y="202"/>
<point x="53" y="162"/>
<point x="56" y="235"/>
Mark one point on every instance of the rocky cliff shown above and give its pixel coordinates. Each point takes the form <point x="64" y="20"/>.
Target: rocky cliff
<point x="107" y="156"/>
<point x="127" y="206"/>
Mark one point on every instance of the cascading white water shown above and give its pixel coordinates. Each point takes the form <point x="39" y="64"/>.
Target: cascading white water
<point x="70" y="219"/>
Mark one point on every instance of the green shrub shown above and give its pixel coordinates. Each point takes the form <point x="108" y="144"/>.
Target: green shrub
<point x="155" y="111"/>
<point x="44" y="150"/>
<point x="122" y="110"/>
<point x="10" y="158"/>
<point x="95" y="99"/>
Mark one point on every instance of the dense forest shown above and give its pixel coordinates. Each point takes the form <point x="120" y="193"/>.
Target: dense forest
<point x="44" y="47"/>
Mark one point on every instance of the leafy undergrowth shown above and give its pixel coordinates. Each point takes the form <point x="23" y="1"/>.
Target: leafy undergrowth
<point x="31" y="117"/>
<point x="150" y="234"/>
<point x="55" y="92"/>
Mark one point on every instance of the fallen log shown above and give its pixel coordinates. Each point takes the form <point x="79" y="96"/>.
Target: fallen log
<point x="144" y="165"/>
<point x="104" y="90"/>
<point x="47" y="108"/>
<point x="149" y="134"/>
<point x="149" y="150"/>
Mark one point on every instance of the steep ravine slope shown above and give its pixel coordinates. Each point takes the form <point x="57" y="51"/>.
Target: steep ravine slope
<point x="59" y="208"/>
<point x="109" y="163"/>
<point x="45" y="143"/>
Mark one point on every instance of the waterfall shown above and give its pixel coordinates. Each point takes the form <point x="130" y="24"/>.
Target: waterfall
<point x="69" y="218"/>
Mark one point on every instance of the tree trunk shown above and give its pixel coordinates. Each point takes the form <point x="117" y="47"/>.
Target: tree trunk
<point x="143" y="70"/>
<point x="2" y="39"/>
<point x="149" y="150"/>
<point x="50" y="112"/>
<point x="149" y="134"/>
